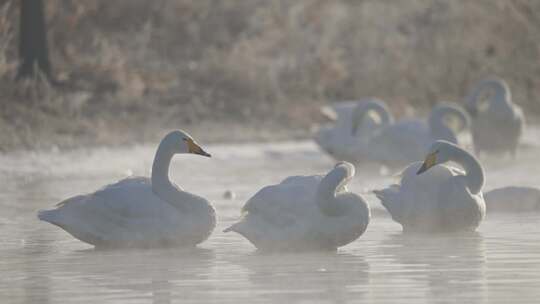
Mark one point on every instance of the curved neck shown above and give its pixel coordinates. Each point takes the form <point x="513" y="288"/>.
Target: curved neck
<point x="502" y="92"/>
<point x="161" y="185"/>
<point x="474" y="175"/>
<point x="326" y="191"/>
<point x="363" y="109"/>
<point x="438" y="128"/>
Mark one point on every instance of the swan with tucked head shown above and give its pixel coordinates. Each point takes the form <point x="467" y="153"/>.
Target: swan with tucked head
<point x="362" y="116"/>
<point x="140" y="212"/>
<point x="305" y="213"/>
<point x="433" y="197"/>
<point x="406" y="141"/>
<point x="497" y="123"/>
<point x="513" y="199"/>
<point x="356" y="122"/>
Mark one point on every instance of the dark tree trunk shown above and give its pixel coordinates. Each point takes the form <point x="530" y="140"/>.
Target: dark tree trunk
<point x="33" y="50"/>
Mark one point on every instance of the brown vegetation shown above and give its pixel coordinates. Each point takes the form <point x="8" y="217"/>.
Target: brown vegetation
<point x="256" y="67"/>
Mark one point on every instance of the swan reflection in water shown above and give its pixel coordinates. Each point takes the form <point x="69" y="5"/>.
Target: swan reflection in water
<point x="446" y="265"/>
<point x="308" y="276"/>
<point x="157" y="275"/>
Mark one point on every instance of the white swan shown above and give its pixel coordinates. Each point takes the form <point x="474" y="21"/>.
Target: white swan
<point x="436" y="198"/>
<point x="407" y="141"/>
<point x="355" y="123"/>
<point x="497" y="123"/>
<point x="137" y="211"/>
<point x="305" y="213"/>
<point x="513" y="199"/>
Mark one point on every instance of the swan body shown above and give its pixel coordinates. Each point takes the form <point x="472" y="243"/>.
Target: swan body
<point x="407" y="141"/>
<point x="497" y="125"/>
<point x="138" y="211"/>
<point x="433" y="197"/>
<point x="513" y="199"/>
<point x="305" y="213"/>
<point x="356" y="121"/>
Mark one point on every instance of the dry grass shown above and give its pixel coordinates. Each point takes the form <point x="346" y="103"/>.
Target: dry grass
<point x="143" y="66"/>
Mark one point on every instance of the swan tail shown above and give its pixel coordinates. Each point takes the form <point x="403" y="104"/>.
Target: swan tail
<point x="237" y="227"/>
<point x="53" y="217"/>
<point x="381" y="196"/>
<point x="233" y="227"/>
<point x="242" y="227"/>
<point x="389" y="198"/>
<point x="56" y="216"/>
<point x="50" y="216"/>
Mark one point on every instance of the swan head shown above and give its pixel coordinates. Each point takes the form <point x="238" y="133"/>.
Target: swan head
<point x="439" y="153"/>
<point x="490" y="92"/>
<point x="372" y="112"/>
<point x="347" y="169"/>
<point x="451" y="115"/>
<point x="180" y="142"/>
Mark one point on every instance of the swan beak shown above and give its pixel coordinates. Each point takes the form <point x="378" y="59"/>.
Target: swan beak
<point x="204" y="153"/>
<point x="431" y="160"/>
<point x="196" y="149"/>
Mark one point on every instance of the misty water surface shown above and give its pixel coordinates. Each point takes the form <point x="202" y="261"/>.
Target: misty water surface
<point x="41" y="263"/>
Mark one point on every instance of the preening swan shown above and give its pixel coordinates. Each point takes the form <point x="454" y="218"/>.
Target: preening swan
<point x="362" y="117"/>
<point x="497" y="123"/>
<point x="513" y="199"/>
<point x="137" y="211"/>
<point x="433" y="197"/>
<point x="305" y="213"/>
<point x="356" y="122"/>
<point x="407" y="141"/>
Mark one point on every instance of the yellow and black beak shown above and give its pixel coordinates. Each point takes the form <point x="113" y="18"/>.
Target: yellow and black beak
<point x="431" y="160"/>
<point x="195" y="148"/>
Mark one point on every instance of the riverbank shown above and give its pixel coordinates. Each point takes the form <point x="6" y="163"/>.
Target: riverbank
<point x="253" y="70"/>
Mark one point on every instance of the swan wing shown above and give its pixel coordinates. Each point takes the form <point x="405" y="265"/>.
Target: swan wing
<point x="400" y="142"/>
<point x="498" y="129"/>
<point x="123" y="213"/>
<point x="414" y="202"/>
<point x="278" y="216"/>
<point x="390" y="198"/>
<point x="281" y="204"/>
<point x="459" y="208"/>
<point x="129" y="198"/>
<point x="341" y="144"/>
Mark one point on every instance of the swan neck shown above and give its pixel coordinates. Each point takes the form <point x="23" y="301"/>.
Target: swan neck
<point x="363" y="109"/>
<point x="474" y="174"/>
<point x="161" y="185"/>
<point x="502" y="93"/>
<point x="326" y="192"/>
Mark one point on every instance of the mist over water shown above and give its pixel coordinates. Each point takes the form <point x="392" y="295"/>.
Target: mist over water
<point x="500" y="263"/>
